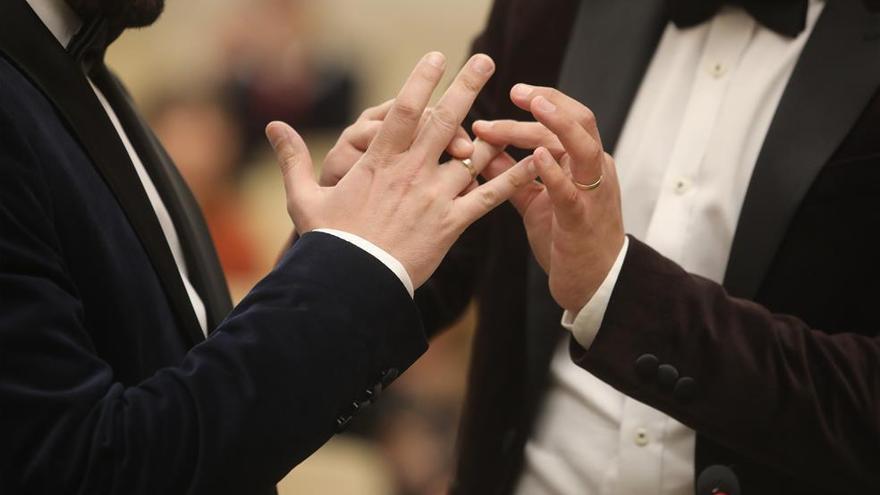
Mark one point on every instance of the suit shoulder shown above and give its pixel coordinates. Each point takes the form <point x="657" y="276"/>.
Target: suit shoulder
<point x="21" y="102"/>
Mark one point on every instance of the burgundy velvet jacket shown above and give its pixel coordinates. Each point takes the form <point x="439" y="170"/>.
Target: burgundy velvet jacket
<point x="778" y="370"/>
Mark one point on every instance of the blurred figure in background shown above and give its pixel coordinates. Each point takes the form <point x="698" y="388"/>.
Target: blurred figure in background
<point x="205" y="140"/>
<point x="272" y="74"/>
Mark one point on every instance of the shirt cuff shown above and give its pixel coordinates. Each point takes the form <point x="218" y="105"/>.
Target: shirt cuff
<point x="379" y="253"/>
<point x="586" y="323"/>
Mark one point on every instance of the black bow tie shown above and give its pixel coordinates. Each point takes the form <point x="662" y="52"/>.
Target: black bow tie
<point x="786" y="17"/>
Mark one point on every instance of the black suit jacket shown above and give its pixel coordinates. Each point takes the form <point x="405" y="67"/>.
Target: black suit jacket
<point x="107" y="384"/>
<point x="791" y="409"/>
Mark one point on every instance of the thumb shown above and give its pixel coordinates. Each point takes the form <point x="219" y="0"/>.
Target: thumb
<point x="295" y="162"/>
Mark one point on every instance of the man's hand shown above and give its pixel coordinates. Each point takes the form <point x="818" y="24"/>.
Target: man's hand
<point x="395" y="195"/>
<point x="356" y="139"/>
<point x="576" y="234"/>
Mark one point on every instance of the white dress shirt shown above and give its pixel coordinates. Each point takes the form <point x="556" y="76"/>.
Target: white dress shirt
<point x="685" y="158"/>
<point x="63" y="23"/>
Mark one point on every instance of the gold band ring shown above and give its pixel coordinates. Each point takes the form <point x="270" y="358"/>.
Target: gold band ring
<point x="589" y="187"/>
<point x="469" y="165"/>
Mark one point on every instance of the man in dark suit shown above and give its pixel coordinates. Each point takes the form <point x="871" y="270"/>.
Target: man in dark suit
<point x="746" y="139"/>
<point x="123" y="367"/>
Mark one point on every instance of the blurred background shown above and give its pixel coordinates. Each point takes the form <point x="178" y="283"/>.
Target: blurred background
<point x="209" y="76"/>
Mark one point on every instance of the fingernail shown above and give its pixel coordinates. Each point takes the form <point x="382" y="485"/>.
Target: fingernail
<point x="522" y="90"/>
<point x="541" y="156"/>
<point x="530" y="166"/>
<point x="436" y="59"/>
<point x="483" y="124"/>
<point x="483" y="64"/>
<point x="274" y="134"/>
<point x="544" y="104"/>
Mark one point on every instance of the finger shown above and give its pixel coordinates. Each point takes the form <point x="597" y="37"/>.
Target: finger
<point x="522" y="96"/>
<point x="586" y="153"/>
<point x="400" y="125"/>
<point x="337" y="163"/>
<point x="455" y="175"/>
<point x="524" y="196"/>
<point x="362" y="133"/>
<point x="295" y="162"/>
<point x="452" y="108"/>
<point x="461" y="146"/>
<point x="469" y="208"/>
<point x="565" y="196"/>
<point x="378" y="112"/>
<point x="523" y="135"/>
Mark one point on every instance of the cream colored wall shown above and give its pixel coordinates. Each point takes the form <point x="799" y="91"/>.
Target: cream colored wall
<point x="380" y="39"/>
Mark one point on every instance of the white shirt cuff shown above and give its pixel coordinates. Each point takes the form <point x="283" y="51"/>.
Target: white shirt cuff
<point x="586" y="323"/>
<point x="379" y="253"/>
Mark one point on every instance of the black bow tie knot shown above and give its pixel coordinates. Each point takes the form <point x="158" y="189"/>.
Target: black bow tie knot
<point x="786" y="17"/>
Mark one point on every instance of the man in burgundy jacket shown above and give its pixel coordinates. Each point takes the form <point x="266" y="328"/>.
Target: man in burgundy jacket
<point x="747" y="142"/>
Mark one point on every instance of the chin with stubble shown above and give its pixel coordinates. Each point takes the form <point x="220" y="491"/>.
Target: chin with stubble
<point x="120" y="13"/>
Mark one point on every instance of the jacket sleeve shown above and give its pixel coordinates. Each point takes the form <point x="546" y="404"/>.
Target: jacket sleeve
<point x="765" y="385"/>
<point x="328" y="327"/>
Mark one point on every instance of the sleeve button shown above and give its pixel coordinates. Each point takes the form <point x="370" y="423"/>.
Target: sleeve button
<point x="646" y="366"/>
<point x="342" y="423"/>
<point x="389" y="376"/>
<point x="667" y="376"/>
<point x="685" y="389"/>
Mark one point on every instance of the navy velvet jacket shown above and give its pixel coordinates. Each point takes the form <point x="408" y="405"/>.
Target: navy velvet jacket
<point x="106" y="382"/>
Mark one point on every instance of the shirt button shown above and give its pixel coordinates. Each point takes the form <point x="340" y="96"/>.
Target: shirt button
<point x="717" y="70"/>
<point x="683" y="185"/>
<point x="641" y="437"/>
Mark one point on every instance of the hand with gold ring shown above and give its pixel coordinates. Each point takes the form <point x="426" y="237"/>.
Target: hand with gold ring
<point x="395" y="196"/>
<point x="573" y="220"/>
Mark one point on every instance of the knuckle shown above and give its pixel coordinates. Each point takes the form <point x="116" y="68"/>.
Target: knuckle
<point x="515" y="180"/>
<point x="588" y="118"/>
<point x="596" y="153"/>
<point x="444" y="118"/>
<point x="488" y="198"/>
<point x="471" y="83"/>
<point x="608" y="160"/>
<point x="288" y="162"/>
<point x="407" y="111"/>
<point x="571" y="197"/>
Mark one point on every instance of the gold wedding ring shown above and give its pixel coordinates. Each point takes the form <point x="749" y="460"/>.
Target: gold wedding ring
<point x="469" y="165"/>
<point x="589" y="187"/>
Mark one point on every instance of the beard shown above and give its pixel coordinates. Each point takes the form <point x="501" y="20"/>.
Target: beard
<point x="120" y="14"/>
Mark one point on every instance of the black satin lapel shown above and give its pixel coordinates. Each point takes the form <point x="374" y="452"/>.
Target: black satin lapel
<point x="611" y="46"/>
<point x="202" y="262"/>
<point x="33" y="49"/>
<point x="836" y="76"/>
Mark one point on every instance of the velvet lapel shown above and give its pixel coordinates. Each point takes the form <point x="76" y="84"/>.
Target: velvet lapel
<point x="33" y="49"/>
<point x="835" y="78"/>
<point x="611" y="45"/>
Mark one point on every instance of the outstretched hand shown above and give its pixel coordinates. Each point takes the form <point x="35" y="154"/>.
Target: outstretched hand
<point x="395" y="195"/>
<point x="573" y="220"/>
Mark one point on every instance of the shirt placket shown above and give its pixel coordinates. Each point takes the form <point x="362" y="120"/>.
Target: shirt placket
<point x="641" y="440"/>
